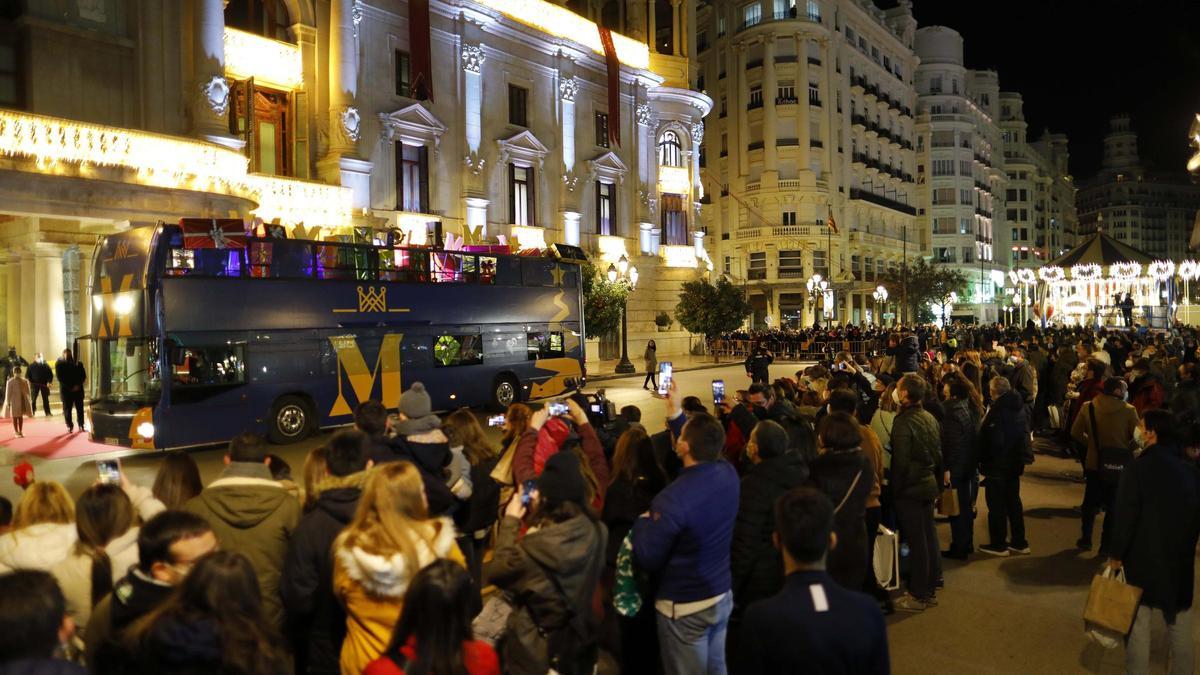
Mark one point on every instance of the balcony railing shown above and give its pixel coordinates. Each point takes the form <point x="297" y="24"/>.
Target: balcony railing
<point x="754" y="104"/>
<point x="882" y="201"/>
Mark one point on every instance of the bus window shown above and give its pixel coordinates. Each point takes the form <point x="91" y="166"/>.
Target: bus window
<point x="487" y="269"/>
<point x="206" y="262"/>
<point x="127" y="369"/>
<point x="457" y="350"/>
<point x="545" y="345"/>
<point x="209" y="366"/>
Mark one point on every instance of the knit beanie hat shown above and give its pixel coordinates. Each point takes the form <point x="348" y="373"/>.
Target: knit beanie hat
<point x="562" y="479"/>
<point x="415" y="403"/>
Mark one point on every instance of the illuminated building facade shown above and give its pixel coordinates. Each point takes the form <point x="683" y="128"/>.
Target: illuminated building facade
<point x="809" y="163"/>
<point x="1152" y="211"/>
<point x="117" y="113"/>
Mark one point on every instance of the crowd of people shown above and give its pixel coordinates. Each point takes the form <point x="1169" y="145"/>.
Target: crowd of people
<point x="25" y="383"/>
<point x="740" y="539"/>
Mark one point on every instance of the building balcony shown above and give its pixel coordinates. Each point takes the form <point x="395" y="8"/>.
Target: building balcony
<point x="882" y="201"/>
<point x="787" y="142"/>
<point x="858" y="121"/>
<point x="815" y="143"/>
<point x="756" y="145"/>
<point x="754" y="105"/>
<point x="786" y="100"/>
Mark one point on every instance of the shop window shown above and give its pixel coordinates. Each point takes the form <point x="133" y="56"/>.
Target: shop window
<point x="545" y="345"/>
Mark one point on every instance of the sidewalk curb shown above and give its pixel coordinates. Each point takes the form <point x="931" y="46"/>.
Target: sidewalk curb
<point x="617" y="376"/>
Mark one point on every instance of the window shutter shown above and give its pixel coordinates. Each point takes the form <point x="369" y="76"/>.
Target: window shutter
<point x="400" y="175"/>
<point x="530" y="207"/>
<point x="423" y="166"/>
<point x="512" y="194"/>
<point x="599" y="209"/>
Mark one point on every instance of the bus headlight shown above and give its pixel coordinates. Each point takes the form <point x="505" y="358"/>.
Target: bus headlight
<point x="123" y="304"/>
<point x="145" y="430"/>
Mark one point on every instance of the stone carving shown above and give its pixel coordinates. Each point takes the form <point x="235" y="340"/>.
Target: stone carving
<point x="216" y="94"/>
<point x="472" y="58"/>
<point x="698" y="132"/>
<point x="645" y="114"/>
<point x="567" y="88"/>
<point x="474" y="163"/>
<point x="356" y="15"/>
<point x="570" y="181"/>
<point x="351" y="122"/>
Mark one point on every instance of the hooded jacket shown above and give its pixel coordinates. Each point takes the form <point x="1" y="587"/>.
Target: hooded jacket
<point x="37" y="547"/>
<point x="74" y="575"/>
<point x="1003" y="436"/>
<point x="1115" y="422"/>
<point x="755" y="565"/>
<point x="254" y="515"/>
<point x="133" y="597"/>
<point x="314" y="615"/>
<point x="536" y="446"/>
<point x="906" y="356"/>
<point x="441" y="500"/>
<point x="916" y="454"/>
<point x="833" y="473"/>
<point x="370" y="587"/>
<point x="567" y="556"/>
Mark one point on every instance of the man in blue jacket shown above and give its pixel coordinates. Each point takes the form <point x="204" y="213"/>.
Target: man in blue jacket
<point x="685" y="540"/>
<point x="813" y="625"/>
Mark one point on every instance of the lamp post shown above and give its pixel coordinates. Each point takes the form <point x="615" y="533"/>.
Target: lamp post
<point x="816" y="285"/>
<point x="624" y="273"/>
<point x="881" y="296"/>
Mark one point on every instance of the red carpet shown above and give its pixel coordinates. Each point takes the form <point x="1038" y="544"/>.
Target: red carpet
<point x="48" y="438"/>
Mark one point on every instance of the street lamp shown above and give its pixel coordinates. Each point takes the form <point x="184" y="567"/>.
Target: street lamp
<point x="816" y="285"/>
<point x="881" y="296"/>
<point x="627" y="275"/>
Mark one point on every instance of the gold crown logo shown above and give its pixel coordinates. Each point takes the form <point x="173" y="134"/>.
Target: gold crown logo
<point x="372" y="299"/>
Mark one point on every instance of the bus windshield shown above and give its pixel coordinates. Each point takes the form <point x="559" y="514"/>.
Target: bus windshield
<point x="127" y="370"/>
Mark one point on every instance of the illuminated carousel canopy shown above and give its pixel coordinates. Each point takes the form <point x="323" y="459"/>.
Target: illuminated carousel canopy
<point x="1101" y="249"/>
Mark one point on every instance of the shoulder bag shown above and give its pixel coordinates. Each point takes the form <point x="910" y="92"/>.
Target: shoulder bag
<point x="1112" y="459"/>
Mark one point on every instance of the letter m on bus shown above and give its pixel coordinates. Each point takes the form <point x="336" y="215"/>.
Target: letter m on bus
<point x="352" y="368"/>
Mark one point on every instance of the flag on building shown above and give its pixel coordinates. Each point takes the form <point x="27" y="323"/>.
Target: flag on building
<point x="614" y="86"/>
<point x="831" y="222"/>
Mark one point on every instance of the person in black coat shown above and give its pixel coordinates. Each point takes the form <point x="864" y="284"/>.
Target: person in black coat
<point x="316" y="620"/>
<point x="812" y="625"/>
<point x="1003" y="439"/>
<point x="71" y="376"/>
<point x="1157" y="526"/>
<point x="370" y="417"/>
<point x="758" y="365"/>
<point x="754" y="564"/>
<point x="960" y="437"/>
<point x="636" y="478"/>
<point x="843" y="472"/>
<point x="906" y="354"/>
<point x="40" y="376"/>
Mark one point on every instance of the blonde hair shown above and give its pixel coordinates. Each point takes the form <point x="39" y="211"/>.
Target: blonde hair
<point x="44" y="502"/>
<point x="315" y="470"/>
<point x="390" y="510"/>
<point x="886" y="402"/>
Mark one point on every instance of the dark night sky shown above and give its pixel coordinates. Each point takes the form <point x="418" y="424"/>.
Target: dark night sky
<point x="1076" y="62"/>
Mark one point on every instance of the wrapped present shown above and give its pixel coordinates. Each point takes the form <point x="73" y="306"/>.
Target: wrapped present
<point x="213" y="232"/>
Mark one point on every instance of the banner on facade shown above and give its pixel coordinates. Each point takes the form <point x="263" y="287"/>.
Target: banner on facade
<point x="419" y="46"/>
<point x="614" y="86"/>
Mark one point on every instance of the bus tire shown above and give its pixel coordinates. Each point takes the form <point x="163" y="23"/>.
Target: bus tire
<point x="505" y="392"/>
<point x="291" y="420"/>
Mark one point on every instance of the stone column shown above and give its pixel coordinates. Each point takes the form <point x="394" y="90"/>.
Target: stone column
<point x="25" y="337"/>
<point x="4" y="301"/>
<point x="210" y="94"/>
<point x="828" y="106"/>
<point x="340" y="164"/>
<point x="802" y="119"/>
<point x="12" y="291"/>
<point x="50" y="321"/>
<point x="675" y="27"/>
<point x="770" y="124"/>
<point x="742" y="138"/>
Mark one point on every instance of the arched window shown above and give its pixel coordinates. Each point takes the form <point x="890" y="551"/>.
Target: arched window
<point x="670" y="151"/>
<point x="268" y="18"/>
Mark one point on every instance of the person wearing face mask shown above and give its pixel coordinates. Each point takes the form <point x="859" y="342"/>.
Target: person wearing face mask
<point x="1157" y="527"/>
<point x="916" y="457"/>
<point x="1023" y="378"/>
<point x="1146" y="391"/>
<point x="1106" y="421"/>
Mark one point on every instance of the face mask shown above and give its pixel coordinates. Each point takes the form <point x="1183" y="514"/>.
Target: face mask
<point x="1125" y="397"/>
<point x="760" y="412"/>
<point x="1138" y="438"/>
<point x="1128" y="363"/>
<point x="896" y="396"/>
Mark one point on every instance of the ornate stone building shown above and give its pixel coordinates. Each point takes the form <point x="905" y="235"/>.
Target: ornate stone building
<point x="323" y="113"/>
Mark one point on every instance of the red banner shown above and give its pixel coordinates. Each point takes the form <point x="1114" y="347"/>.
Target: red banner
<point x="419" y="48"/>
<point x="614" y="86"/>
<point x="213" y="232"/>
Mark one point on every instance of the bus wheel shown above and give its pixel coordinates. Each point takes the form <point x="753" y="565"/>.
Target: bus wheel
<point x="505" y="392"/>
<point x="291" y="420"/>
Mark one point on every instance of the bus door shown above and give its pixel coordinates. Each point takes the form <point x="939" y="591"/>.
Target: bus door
<point x="208" y="390"/>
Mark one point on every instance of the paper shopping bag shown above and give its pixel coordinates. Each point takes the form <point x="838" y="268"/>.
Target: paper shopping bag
<point x="947" y="503"/>
<point x="1112" y="603"/>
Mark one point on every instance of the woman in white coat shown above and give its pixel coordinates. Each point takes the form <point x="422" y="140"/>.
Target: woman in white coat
<point x="43" y="529"/>
<point x="17" y="403"/>
<point x="106" y="520"/>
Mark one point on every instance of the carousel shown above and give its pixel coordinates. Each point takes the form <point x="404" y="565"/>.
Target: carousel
<point x="1103" y="282"/>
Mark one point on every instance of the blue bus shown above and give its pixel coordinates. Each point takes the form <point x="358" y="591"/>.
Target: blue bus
<point x="201" y="331"/>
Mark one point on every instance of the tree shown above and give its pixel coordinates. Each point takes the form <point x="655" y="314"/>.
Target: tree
<point x="602" y="302"/>
<point x="928" y="284"/>
<point x="711" y="309"/>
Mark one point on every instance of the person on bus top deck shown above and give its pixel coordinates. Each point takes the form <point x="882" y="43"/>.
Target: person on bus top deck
<point x="420" y="440"/>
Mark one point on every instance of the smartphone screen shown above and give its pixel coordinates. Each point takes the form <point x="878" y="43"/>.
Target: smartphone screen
<point x="718" y="391"/>
<point x="496" y="421"/>
<point x="109" y="471"/>
<point x="527" y="492"/>
<point x="558" y="408"/>
<point x="664" y="377"/>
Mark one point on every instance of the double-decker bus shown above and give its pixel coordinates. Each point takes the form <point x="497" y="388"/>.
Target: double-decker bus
<point x="201" y="332"/>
